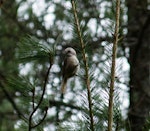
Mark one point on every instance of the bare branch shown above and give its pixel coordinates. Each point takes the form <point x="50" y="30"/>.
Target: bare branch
<point x="41" y="99"/>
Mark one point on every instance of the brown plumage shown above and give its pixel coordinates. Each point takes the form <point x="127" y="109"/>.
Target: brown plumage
<point x="70" y="66"/>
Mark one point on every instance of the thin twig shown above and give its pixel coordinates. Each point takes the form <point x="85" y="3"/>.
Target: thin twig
<point x="41" y="99"/>
<point x="85" y="64"/>
<point x="41" y="119"/>
<point x="114" y="52"/>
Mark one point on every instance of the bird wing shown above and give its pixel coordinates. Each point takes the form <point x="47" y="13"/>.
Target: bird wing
<point x="69" y="69"/>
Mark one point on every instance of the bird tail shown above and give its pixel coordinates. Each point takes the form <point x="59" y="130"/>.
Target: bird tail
<point x="63" y="86"/>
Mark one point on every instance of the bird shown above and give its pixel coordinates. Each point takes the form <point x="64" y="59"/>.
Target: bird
<point x="70" y="66"/>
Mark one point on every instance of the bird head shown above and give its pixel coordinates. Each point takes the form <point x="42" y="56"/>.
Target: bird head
<point x="69" y="51"/>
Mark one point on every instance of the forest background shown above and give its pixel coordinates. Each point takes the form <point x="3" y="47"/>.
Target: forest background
<point x="33" y="34"/>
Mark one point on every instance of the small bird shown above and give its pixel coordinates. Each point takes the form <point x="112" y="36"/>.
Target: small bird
<point x="70" y="66"/>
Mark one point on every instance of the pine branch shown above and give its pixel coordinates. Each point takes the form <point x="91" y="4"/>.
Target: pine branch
<point x="40" y="101"/>
<point x="31" y="49"/>
<point x="10" y="99"/>
<point x="86" y="67"/>
<point x="19" y="113"/>
<point x="114" y="52"/>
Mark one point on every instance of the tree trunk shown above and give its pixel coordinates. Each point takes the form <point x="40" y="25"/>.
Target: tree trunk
<point x="139" y="44"/>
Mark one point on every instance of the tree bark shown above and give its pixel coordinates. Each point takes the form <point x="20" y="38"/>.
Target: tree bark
<point x="139" y="59"/>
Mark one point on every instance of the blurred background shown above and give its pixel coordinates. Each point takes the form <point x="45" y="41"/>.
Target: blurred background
<point x="25" y="24"/>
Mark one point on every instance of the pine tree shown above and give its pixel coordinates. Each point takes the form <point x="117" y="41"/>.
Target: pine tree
<point x="31" y="45"/>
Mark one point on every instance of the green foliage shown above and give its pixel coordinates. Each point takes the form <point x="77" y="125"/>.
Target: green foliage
<point x="31" y="49"/>
<point x="44" y="48"/>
